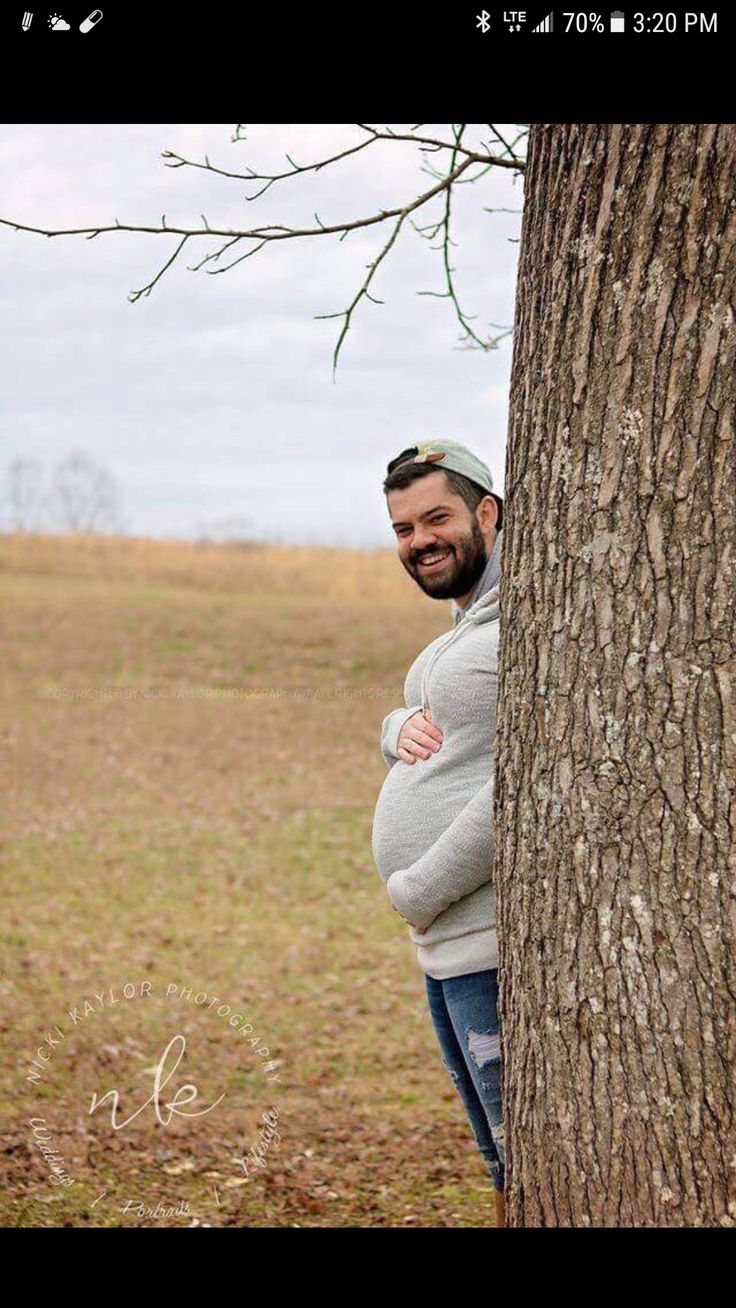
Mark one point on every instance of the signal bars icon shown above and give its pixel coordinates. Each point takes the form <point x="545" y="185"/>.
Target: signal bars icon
<point x="546" y="24"/>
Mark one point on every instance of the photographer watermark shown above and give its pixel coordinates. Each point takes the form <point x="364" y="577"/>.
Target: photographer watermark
<point x="41" y="1140"/>
<point x="73" y="694"/>
<point x="170" y="1097"/>
<point x="269" y="1136"/>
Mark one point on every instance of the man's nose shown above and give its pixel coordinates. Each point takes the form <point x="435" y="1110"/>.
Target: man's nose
<point x="423" y="539"/>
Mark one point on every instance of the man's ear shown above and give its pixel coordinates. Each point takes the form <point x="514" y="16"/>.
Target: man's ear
<point x="487" y="513"/>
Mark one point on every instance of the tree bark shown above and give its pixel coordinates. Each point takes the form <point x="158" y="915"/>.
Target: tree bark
<point x="615" y="803"/>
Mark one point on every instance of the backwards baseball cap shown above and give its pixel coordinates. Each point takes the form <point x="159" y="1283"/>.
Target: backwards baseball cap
<point x="451" y="456"/>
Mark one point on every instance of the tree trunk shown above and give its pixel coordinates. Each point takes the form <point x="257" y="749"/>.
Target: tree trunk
<point x="615" y="805"/>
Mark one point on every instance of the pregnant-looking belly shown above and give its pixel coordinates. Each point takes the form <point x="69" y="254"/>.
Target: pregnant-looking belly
<point x="417" y="802"/>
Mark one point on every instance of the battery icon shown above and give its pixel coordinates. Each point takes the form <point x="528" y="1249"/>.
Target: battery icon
<point x="618" y="21"/>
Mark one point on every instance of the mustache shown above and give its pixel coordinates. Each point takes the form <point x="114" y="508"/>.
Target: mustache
<point x="417" y="558"/>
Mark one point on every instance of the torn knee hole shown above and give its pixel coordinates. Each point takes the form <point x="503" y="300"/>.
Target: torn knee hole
<point x="483" y="1047"/>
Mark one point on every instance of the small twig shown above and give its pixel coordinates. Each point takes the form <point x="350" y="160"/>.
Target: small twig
<point x="463" y="318"/>
<point x="146" y="290"/>
<point x="348" y="313"/>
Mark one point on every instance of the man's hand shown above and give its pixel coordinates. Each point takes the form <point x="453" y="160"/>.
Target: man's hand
<point x="418" y="738"/>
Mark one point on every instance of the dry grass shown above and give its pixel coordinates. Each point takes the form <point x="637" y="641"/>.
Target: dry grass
<point x="283" y="570"/>
<point x="189" y="744"/>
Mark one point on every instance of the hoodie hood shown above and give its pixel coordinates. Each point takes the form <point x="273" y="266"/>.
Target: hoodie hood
<point x="485" y="609"/>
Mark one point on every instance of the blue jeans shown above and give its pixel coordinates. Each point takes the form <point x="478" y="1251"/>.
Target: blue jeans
<point x="464" y="1011"/>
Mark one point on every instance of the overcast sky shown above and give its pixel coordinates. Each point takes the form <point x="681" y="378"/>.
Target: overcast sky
<point x="213" y="398"/>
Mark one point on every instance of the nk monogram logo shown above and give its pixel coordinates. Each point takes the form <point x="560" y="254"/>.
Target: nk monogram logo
<point x="186" y="1094"/>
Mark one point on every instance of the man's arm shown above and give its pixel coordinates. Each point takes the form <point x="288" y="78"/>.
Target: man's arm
<point x="390" y="730"/>
<point x="454" y="866"/>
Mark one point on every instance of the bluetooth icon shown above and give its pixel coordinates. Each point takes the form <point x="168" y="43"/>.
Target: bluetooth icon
<point x="483" y="22"/>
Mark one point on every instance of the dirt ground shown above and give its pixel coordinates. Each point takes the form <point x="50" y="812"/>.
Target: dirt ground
<point x="196" y="942"/>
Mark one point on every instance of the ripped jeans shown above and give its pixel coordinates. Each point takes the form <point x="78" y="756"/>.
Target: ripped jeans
<point x="464" y="1012"/>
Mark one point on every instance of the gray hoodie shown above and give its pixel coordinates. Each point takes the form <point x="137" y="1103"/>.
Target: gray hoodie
<point x="432" y="828"/>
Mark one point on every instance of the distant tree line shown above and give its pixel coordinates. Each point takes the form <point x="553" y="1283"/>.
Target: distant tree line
<point x="77" y="496"/>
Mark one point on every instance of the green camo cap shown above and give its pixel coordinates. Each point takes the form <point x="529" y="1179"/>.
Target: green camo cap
<point x="453" y="456"/>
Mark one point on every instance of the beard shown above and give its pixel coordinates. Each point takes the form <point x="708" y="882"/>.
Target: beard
<point x="462" y="570"/>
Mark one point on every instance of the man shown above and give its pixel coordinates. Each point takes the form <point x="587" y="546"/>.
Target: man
<point x="432" y="828"/>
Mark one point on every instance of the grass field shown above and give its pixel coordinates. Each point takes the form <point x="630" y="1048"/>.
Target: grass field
<point x="190" y="763"/>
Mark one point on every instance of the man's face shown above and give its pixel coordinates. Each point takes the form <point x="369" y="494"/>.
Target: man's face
<point x="430" y="520"/>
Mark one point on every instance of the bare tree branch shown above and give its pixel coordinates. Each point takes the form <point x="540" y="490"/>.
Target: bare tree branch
<point x="146" y="290"/>
<point x="348" y="313"/>
<point x="462" y="158"/>
<point x="432" y="142"/>
<point x="426" y="143"/>
<point x="471" y="337"/>
<point x="268" y="178"/>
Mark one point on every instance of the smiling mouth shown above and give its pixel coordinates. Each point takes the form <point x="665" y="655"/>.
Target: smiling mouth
<point x="430" y="561"/>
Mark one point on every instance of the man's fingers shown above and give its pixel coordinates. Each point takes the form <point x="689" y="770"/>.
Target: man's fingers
<point x="413" y="746"/>
<point x="417" y="741"/>
<point x="424" y="724"/>
<point x="419" y="722"/>
<point x="424" y="738"/>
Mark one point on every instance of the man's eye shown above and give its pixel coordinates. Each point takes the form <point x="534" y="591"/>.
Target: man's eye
<point x="406" y="531"/>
